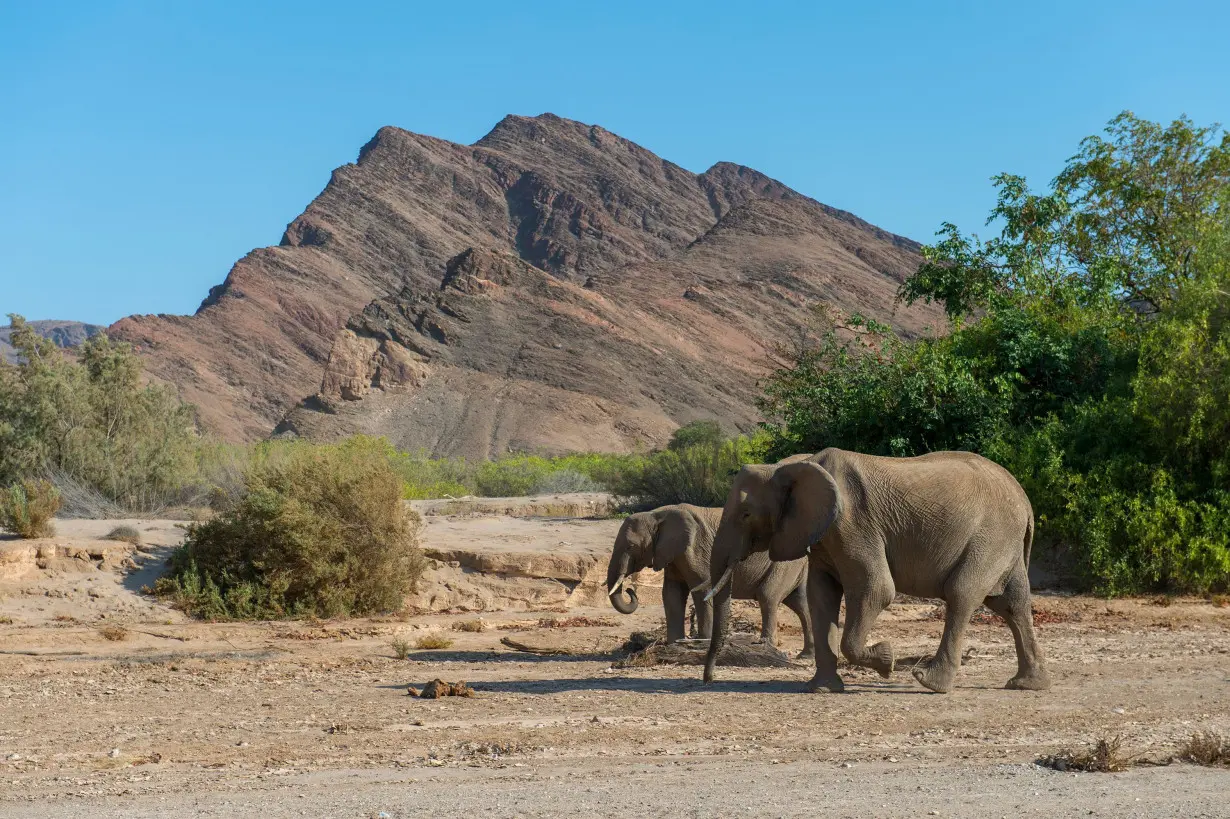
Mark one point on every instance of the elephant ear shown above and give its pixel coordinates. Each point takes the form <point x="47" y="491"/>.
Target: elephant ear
<point x="675" y="533"/>
<point x="807" y="503"/>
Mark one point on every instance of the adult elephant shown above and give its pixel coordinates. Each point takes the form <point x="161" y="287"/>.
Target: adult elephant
<point x="678" y="540"/>
<point x="951" y="525"/>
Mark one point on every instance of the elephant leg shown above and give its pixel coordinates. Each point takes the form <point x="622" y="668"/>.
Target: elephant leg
<point x="703" y="610"/>
<point x="768" y="620"/>
<point x="796" y="601"/>
<point x="824" y="600"/>
<point x="865" y="599"/>
<point x="938" y="673"/>
<point x="674" y="601"/>
<point x="1015" y="607"/>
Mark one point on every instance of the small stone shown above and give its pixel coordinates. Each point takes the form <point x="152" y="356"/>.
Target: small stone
<point x="1118" y="711"/>
<point x="115" y="753"/>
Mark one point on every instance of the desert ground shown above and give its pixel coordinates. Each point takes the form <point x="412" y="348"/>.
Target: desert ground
<point x="113" y="704"/>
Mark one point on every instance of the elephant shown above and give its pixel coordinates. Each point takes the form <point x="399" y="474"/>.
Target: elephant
<point x="678" y="540"/>
<point x="951" y="525"/>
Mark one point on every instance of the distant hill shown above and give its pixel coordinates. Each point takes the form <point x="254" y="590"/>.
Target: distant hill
<point x="63" y="333"/>
<point x="551" y="287"/>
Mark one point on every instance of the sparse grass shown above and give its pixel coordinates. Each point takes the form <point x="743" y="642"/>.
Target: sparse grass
<point x="400" y="646"/>
<point x="1163" y="600"/>
<point x="113" y="632"/>
<point x="1104" y="756"/>
<point x="432" y="642"/>
<point x="125" y="534"/>
<point x="65" y="618"/>
<point x="1206" y="748"/>
<point x="5" y="620"/>
<point x="473" y="626"/>
<point x="27" y="507"/>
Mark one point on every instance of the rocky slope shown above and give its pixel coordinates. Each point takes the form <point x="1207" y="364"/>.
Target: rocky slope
<point x="63" y="333"/>
<point x="552" y="286"/>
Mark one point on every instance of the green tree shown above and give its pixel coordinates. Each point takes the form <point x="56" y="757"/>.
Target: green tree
<point x="1090" y="355"/>
<point x="89" y="419"/>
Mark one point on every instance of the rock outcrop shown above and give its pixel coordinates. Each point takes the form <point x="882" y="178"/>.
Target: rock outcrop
<point x="551" y="287"/>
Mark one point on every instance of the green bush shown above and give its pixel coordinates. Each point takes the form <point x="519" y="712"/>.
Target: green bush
<point x="1090" y="356"/>
<point x="696" y="433"/>
<point x="320" y="531"/>
<point x="700" y="475"/>
<point x="27" y="507"/>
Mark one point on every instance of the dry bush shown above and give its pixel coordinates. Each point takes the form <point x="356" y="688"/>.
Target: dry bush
<point x="319" y="532"/>
<point x="400" y="646"/>
<point x="1104" y="756"/>
<point x="1206" y="748"/>
<point x="1220" y="600"/>
<point x="27" y="507"/>
<point x="114" y="633"/>
<point x="125" y="534"/>
<point x="429" y="642"/>
<point x="473" y="626"/>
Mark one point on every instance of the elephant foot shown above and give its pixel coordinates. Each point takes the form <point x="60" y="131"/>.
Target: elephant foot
<point x="880" y="658"/>
<point x="1033" y="680"/>
<point x="806" y="654"/>
<point x="708" y="677"/>
<point x="935" y="677"/>
<point x="830" y="683"/>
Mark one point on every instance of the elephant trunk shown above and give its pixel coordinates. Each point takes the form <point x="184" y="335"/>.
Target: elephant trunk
<point x="622" y="594"/>
<point x="625" y="605"/>
<point x="729" y="548"/>
<point x="721" y="624"/>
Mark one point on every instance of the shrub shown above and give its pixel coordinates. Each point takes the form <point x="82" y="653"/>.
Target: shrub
<point x="321" y="532"/>
<point x="27" y="507"/>
<point x="113" y="632"/>
<point x="700" y="475"/>
<point x="1206" y="748"/>
<point x="563" y="481"/>
<point x="125" y="534"/>
<point x="432" y="642"/>
<point x="474" y="626"/>
<point x="696" y="433"/>
<point x="400" y="646"/>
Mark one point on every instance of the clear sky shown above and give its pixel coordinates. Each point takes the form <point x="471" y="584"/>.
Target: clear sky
<point x="146" y="146"/>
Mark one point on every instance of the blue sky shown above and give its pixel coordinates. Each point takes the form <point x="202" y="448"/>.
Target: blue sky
<point x="146" y="146"/>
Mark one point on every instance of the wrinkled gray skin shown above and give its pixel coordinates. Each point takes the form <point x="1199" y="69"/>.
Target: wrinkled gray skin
<point x="951" y="525"/>
<point x="678" y="540"/>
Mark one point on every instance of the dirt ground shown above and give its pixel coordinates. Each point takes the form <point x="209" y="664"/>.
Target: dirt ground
<point x="182" y="718"/>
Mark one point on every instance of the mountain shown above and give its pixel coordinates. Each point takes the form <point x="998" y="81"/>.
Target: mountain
<point x="63" y="333"/>
<point x="553" y="286"/>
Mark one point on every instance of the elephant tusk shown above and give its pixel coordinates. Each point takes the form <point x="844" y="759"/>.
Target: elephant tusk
<point x="619" y="585"/>
<point x="717" y="587"/>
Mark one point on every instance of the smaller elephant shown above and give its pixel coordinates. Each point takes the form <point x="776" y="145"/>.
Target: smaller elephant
<point x="679" y="541"/>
